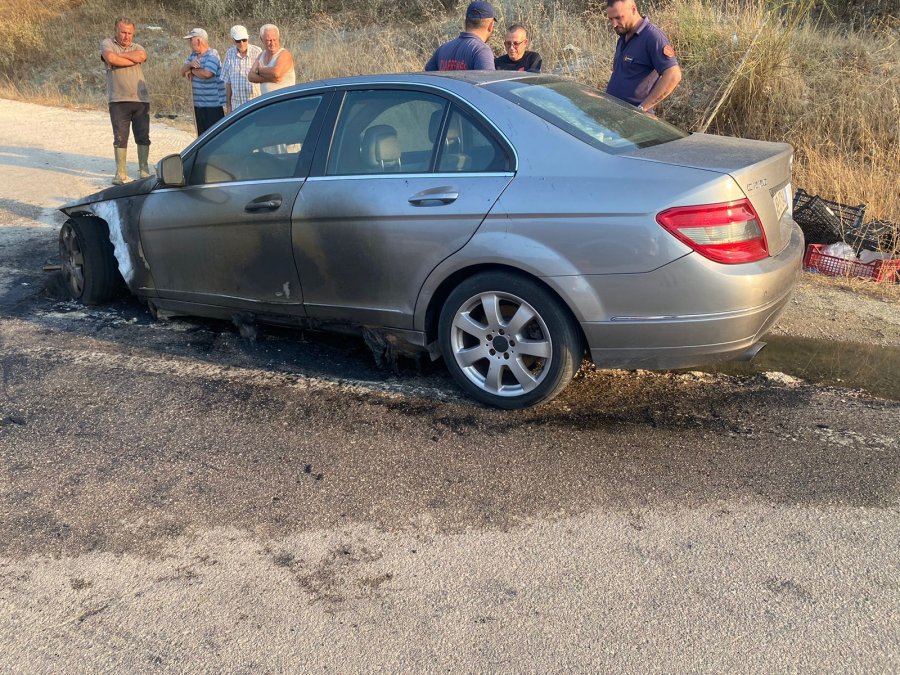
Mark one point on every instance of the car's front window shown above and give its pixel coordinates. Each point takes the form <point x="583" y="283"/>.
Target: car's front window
<point x="587" y="113"/>
<point x="265" y="144"/>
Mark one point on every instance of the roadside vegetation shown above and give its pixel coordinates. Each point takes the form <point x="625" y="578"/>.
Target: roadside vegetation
<point x="823" y="77"/>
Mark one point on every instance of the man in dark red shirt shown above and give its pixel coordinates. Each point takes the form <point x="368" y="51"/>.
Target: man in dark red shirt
<point x="469" y="51"/>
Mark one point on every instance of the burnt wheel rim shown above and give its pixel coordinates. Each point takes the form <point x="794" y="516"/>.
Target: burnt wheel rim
<point x="72" y="260"/>
<point x="501" y="344"/>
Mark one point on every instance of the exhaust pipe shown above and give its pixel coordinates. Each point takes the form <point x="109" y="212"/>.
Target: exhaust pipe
<point x="751" y="353"/>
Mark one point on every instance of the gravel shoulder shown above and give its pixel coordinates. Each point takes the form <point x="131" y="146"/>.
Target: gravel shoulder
<point x="838" y="310"/>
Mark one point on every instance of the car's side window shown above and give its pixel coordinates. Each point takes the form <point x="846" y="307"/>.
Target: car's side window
<point x="465" y="147"/>
<point x="265" y="144"/>
<point x="384" y="131"/>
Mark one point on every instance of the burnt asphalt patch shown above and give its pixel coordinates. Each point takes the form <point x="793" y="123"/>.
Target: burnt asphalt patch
<point x="141" y="435"/>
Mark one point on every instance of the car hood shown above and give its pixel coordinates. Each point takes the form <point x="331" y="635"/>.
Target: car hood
<point x="132" y="189"/>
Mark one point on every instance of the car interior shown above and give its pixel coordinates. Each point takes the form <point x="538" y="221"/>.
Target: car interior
<point x="380" y="150"/>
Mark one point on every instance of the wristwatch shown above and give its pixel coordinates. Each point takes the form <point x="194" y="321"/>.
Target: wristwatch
<point x="641" y="107"/>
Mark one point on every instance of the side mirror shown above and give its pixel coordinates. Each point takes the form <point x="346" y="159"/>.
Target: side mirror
<point x="170" y="171"/>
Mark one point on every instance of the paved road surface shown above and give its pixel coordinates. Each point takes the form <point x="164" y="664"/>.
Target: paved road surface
<point x="176" y="497"/>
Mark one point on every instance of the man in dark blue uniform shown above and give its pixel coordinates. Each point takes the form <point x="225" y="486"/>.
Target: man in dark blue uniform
<point x="645" y="70"/>
<point x="469" y="51"/>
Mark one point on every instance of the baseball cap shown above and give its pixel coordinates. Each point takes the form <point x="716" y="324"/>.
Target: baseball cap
<point x="197" y="32"/>
<point x="480" y="10"/>
<point x="239" y="33"/>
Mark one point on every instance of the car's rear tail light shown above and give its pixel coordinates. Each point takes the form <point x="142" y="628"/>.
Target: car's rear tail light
<point x="727" y="233"/>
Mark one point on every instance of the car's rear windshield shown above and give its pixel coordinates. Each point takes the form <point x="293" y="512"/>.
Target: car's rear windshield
<point x="591" y="115"/>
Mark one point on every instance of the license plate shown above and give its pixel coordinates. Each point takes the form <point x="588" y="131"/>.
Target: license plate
<point x="781" y="200"/>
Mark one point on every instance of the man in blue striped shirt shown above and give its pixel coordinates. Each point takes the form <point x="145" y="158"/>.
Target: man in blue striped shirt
<point x="202" y="68"/>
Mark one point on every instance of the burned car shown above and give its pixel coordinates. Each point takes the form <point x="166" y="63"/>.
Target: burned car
<point x="511" y="223"/>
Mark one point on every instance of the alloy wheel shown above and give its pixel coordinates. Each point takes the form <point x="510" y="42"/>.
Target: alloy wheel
<point x="501" y="344"/>
<point x="72" y="260"/>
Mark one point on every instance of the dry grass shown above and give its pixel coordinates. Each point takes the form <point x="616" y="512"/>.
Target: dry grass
<point x="47" y="94"/>
<point x="23" y="23"/>
<point x="767" y="68"/>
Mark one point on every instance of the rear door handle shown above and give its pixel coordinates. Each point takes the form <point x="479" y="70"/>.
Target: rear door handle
<point x="265" y="203"/>
<point x="437" y="198"/>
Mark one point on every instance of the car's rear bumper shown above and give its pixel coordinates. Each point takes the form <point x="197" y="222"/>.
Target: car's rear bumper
<point x="681" y="341"/>
<point x="688" y="313"/>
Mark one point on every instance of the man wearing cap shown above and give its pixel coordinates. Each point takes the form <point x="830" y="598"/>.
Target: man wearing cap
<point x="236" y="67"/>
<point x="517" y="57"/>
<point x="202" y="68"/>
<point x="645" y="70"/>
<point x="469" y="51"/>
<point x="128" y="97"/>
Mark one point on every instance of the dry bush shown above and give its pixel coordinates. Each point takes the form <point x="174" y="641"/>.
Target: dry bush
<point x="23" y="24"/>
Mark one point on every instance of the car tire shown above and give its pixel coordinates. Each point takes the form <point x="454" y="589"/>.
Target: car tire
<point x="89" y="269"/>
<point x="508" y="341"/>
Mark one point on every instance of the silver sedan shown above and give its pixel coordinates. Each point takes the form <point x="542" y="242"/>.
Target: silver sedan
<point x="508" y="222"/>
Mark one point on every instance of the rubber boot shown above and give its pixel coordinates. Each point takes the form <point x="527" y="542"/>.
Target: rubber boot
<point x="143" y="155"/>
<point x="121" y="171"/>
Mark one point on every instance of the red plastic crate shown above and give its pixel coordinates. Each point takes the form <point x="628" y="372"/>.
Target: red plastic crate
<point x="877" y="270"/>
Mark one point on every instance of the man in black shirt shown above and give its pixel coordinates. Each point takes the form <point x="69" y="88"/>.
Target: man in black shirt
<point x="517" y="58"/>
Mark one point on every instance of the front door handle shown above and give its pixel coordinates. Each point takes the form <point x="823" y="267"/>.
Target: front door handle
<point x="435" y="197"/>
<point x="264" y="203"/>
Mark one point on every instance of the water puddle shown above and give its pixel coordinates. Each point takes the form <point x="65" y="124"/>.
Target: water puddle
<point x="874" y="369"/>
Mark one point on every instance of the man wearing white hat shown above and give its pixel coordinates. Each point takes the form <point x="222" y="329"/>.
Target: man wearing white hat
<point x="203" y="68"/>
<point x="238" y="61"/>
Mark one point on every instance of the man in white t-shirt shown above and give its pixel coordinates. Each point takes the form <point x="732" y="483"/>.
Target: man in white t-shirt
<point x="274" y="68"/>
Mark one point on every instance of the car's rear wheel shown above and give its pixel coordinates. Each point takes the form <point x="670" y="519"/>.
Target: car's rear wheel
<point x="508" y="341"/>
<point x="88" y="264"/>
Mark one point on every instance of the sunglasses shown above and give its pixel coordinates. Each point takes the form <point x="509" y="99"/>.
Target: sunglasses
<point x="243" y="40"/>
<point x="514" y="44"/>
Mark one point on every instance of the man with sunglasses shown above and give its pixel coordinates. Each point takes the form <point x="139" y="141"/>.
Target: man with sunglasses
<point x="517" y="56"/>
<point x="469" y="51"/>
<point x="236" y="67"/>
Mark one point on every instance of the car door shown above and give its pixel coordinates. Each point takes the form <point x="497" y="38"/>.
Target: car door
<point x="225" y="237"/>
<point x="408" y="178"/>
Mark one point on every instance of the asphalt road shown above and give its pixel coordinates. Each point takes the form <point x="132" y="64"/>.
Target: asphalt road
<point x="176" y="497"/>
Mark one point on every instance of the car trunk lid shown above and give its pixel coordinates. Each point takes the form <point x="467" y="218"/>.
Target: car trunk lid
<point x="761" y="169"/>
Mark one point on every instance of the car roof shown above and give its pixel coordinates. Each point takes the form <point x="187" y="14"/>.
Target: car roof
<point x="479" y="77"/>
<point x="471" y="77"/>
